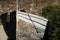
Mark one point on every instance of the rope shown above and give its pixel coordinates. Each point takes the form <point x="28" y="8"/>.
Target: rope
<point x="32" y="22"/>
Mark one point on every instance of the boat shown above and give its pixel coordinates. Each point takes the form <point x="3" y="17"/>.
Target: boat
<point x="38" y="21"/>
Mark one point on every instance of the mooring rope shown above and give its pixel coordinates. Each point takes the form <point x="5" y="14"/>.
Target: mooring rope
<point x="32" y="22"/>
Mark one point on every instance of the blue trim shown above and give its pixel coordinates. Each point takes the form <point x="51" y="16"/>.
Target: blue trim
<point x="33" y="20"/>
<point x="39" y="30"/>
<point x="33" y="16"/>
<point x="38" y="23"/>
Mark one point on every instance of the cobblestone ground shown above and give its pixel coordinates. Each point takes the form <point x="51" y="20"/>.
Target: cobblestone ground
<point x="3" y="36"/>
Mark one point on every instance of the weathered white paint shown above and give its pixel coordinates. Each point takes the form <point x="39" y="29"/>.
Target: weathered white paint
<point x="36" y="19"/>
<point x="39" y="22"/>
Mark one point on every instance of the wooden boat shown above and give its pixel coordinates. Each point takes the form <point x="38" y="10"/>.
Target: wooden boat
<point x="39" y="22"/>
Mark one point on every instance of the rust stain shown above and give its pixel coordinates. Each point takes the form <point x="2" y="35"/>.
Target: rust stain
<point x="20" y="22"/>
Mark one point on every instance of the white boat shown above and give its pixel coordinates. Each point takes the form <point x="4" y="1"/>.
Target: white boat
<point x="39" y="22"/>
